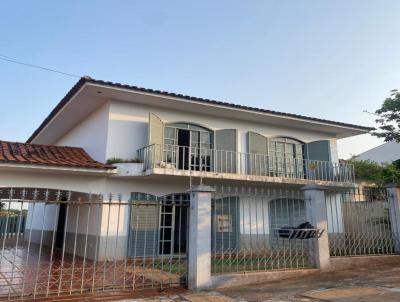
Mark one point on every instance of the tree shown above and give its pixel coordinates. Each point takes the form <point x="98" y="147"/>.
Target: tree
<point x="366" y="170"/>
<point x="389" y="118"/>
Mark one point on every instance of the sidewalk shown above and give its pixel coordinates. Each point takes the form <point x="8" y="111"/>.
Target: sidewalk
<point x="374" y="284"/>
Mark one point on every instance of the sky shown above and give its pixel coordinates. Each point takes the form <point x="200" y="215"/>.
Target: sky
<point x="327" y="59"/>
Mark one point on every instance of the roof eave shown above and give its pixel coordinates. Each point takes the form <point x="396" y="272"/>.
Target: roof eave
<point x="87" y="80"/>
<point x="60" y="169"/>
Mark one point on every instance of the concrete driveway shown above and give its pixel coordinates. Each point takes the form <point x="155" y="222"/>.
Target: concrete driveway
<point x="375" y="284"/>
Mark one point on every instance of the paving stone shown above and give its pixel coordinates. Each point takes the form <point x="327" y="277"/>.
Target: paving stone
<point x="344" y="292"/>
<point x="208" y="297"/>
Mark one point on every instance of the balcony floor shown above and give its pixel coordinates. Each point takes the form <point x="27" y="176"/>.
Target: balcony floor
<point x="244" y="178"/>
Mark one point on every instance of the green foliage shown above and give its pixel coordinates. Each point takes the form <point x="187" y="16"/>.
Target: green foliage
<point x="12" y="212"/>
<point x="116" y="160"/>
<point x="389" y="118"/>
<point x="366" y="170"/>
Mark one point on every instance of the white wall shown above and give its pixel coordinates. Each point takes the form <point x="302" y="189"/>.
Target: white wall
<point x="129" y="124"/>
<point x="90" y="134"/>
<point x="41" y="216"/>
<point x="90" y="184"/>
<point x="119" y="129"/>
<point x="126" y="134"/>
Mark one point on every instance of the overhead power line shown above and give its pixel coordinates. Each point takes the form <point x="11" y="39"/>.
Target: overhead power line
<point x="15" y="61"/>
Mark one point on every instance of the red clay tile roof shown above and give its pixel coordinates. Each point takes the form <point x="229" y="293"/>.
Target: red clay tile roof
<point x="23" y="153"/>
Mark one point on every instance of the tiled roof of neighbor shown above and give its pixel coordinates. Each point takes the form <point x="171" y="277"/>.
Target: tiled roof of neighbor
<point x="24" y="153"/>
<point x="87" y="79"/>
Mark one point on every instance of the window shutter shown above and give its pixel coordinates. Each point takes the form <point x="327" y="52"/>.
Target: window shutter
<point x="156" y="139"/>
<point x="257" y="148"/>
<point x="143" y="232"/>
<point x="257" y="143"/>
<point x="226" y="150"/>
<point x="319" y="150"/>
<point x="156" y="130"/>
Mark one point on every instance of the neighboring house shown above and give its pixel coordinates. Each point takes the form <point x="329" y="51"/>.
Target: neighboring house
<point x="174" y="141"/>
<point x="385" y="153"/>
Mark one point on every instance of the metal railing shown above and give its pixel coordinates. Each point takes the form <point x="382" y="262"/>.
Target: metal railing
<point x="12" y="224"/>
<point x="359" y="222"/>
<point x="258" y="229"/>
<point x="220" y="161"/>
<point x="70" y="243"/>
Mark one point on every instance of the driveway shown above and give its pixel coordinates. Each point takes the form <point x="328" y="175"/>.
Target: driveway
<point x="368" y="284"/>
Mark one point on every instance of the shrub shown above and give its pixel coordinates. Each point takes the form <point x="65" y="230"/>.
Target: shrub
<point x="116" y="160"/>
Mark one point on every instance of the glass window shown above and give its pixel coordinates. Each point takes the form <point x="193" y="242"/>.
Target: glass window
<point x="169" y="133"/>
<point x="286" y="212"/>
<point x="205" y="137"/>
<point x="280" y="148"/>
<point x="194" y="154"/>
<point x="188" y="126"/>
<point x="285" y="157"/>
<point x="169" y="141"/>
<point x="285" y="147"/>
<point x="195" y="137"/>
<point x="179" y="125"/>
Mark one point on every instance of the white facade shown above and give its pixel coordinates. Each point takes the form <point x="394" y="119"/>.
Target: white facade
<point x="114" y="123"/>
<point x="120" y="128"/>
<point x="90" y="134"/>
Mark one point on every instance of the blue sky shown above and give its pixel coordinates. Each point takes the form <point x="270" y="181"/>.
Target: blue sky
<point x="328" y="59"/>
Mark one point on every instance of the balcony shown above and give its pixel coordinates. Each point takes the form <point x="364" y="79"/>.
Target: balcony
<point x="211" y="163"/>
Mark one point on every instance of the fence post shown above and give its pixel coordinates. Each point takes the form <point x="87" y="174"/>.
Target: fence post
<point x="393" y="191"/>
<point x="317" y="216"/>
<point x="199" y="256"/>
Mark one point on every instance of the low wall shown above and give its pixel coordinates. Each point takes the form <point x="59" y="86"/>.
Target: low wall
<point x="337" y="264"/>
<point x="241" y="279"/>
<point x="343" y="263"/>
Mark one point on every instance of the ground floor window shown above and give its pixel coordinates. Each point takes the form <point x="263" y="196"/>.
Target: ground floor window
<point x="286" y="212"/>
<point x="158" y="225"/>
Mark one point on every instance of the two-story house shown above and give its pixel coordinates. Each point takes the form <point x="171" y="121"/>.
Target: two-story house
<point x="166" y="142"/>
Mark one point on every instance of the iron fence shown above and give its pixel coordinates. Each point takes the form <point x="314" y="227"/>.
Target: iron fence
<point x="359" y="222"/>
<point x="65" y="243"/>
<point x="220" y="161"/>
<point x="260" y="229"/>
<point x="12" y="224"/>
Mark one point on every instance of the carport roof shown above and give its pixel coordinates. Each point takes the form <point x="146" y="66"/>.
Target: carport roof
<point x="48" y="155"/>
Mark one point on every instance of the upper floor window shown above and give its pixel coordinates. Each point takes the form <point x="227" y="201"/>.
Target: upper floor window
<point x="283" y="147"/>
<point x="190" y="135"/>
<point x="188" y="146"/>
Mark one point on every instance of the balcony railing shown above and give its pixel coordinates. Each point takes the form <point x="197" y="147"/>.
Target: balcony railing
<point x="220" y="161"/>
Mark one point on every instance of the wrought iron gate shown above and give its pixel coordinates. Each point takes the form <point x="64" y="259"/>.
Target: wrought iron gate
<point x="62" y="243"/>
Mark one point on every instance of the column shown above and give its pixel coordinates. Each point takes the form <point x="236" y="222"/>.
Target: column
<point x="316" y="215"/>
<point x="199" y="256"/>
<point x="394" y="209"/>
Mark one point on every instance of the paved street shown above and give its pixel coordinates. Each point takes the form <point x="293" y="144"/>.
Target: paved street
<point x="371" y="285"/>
